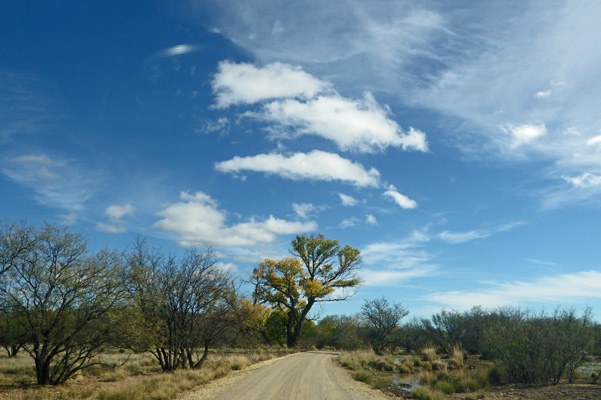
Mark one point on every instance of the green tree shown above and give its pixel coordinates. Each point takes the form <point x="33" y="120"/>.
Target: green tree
<point x="319" y="266"/>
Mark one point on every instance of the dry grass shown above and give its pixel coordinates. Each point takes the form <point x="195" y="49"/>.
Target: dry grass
<point x="456" y="360"/>
<point x="429" y="354"/>
<point x="123" y="376"/>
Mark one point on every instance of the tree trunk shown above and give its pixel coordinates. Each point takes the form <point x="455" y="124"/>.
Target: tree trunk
<point x="42" y="370"/>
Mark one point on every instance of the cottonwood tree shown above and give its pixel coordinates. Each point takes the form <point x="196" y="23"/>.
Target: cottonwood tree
<point x="319" y="267"/>
<point x="186" y="304"/>
<point x="64" y="299"/>
<point x="382" y="318"/>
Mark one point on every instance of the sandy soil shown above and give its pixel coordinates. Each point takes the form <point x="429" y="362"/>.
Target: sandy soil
<point x="310" y="376"/>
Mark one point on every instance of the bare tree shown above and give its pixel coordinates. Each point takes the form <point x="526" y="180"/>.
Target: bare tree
<point x="15" y="240"/>
<point x="382" y="318"/>
<point x="64" y="298"/>
<point x="186" y="303"/>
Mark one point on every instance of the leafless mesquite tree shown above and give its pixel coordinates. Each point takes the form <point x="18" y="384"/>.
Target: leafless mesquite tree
<point x="64" y="298"/>
<point x="382" y="318"/>
<point x="187" y="304"/>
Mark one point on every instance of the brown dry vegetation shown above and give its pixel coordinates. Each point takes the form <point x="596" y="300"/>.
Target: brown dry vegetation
<point x="464" y="381"/>
<point x="122" y="376"/>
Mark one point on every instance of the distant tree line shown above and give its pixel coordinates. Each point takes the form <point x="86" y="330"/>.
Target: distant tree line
<point x="63" y="304"/>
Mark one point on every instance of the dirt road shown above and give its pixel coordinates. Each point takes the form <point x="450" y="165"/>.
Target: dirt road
<point x="302" y="376"/>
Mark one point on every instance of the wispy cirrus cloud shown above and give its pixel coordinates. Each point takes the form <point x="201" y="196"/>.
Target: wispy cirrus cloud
<point x="316" y="165"/>
<point x="393" y="263"/>
<point x="25" y="105"/>
<point x="468" y="236"/>
<point x="578" y="287"/>
<point x="55" y="182"/>
<point x="196" y="220"/>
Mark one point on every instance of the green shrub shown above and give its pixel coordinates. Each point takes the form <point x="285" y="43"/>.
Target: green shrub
<point x="427" y="394"/>
<point x="445" y="387"/>
<point x="363" y="376"/>
<point x="496" y="375"/>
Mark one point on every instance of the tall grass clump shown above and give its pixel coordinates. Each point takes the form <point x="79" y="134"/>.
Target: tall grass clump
<point x="429" y="354"/>
<point x="456" y="359"/>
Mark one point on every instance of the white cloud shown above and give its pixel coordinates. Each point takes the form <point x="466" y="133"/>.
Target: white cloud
<point x="348" y="223"/>
<point x="462" y="237"/>
<point x="594" y="141"/>
<point x="347" y="201"/>
<point x="394" y="277"/>
<point x="542" y="94"/>
<point x="227" y="267"/>
<point x="371" y="220"/>
<point x="110" y="228"/>
<point x="116" y="212"/>
<point x="55" y="182"/>
<point x="565" y="288"/>
<point x="402" y="200"/>
<point x="247" y="84"/>
<point x="524" y="134"/>
<point x="68" y="219"/>
<point x="402" y="254"/>
<point x="196" y="220"/>
<point x="586" y="180"/>
<point x="304" y="210"/>
<point x="316" y="165"/>
<point x="359" y="125"/>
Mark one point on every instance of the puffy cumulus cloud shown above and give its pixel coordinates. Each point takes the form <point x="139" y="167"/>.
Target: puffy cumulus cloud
<point x="371" y="220"/>
<point x="316" y="165"/>
<point x="564" y="288"/>
<point x="356" y="125"/>
<point x="246" y="84"/>
<point x="586" y="180"/>
<point x="197" y="220"/>
<point x="524" y="134"/>
<point x="116" y="212"/>
<point x="347" y="200"/>
<point x="402" y="200"/>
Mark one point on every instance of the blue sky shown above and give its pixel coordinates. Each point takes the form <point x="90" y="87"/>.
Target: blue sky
<point x="456" y="144"/>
